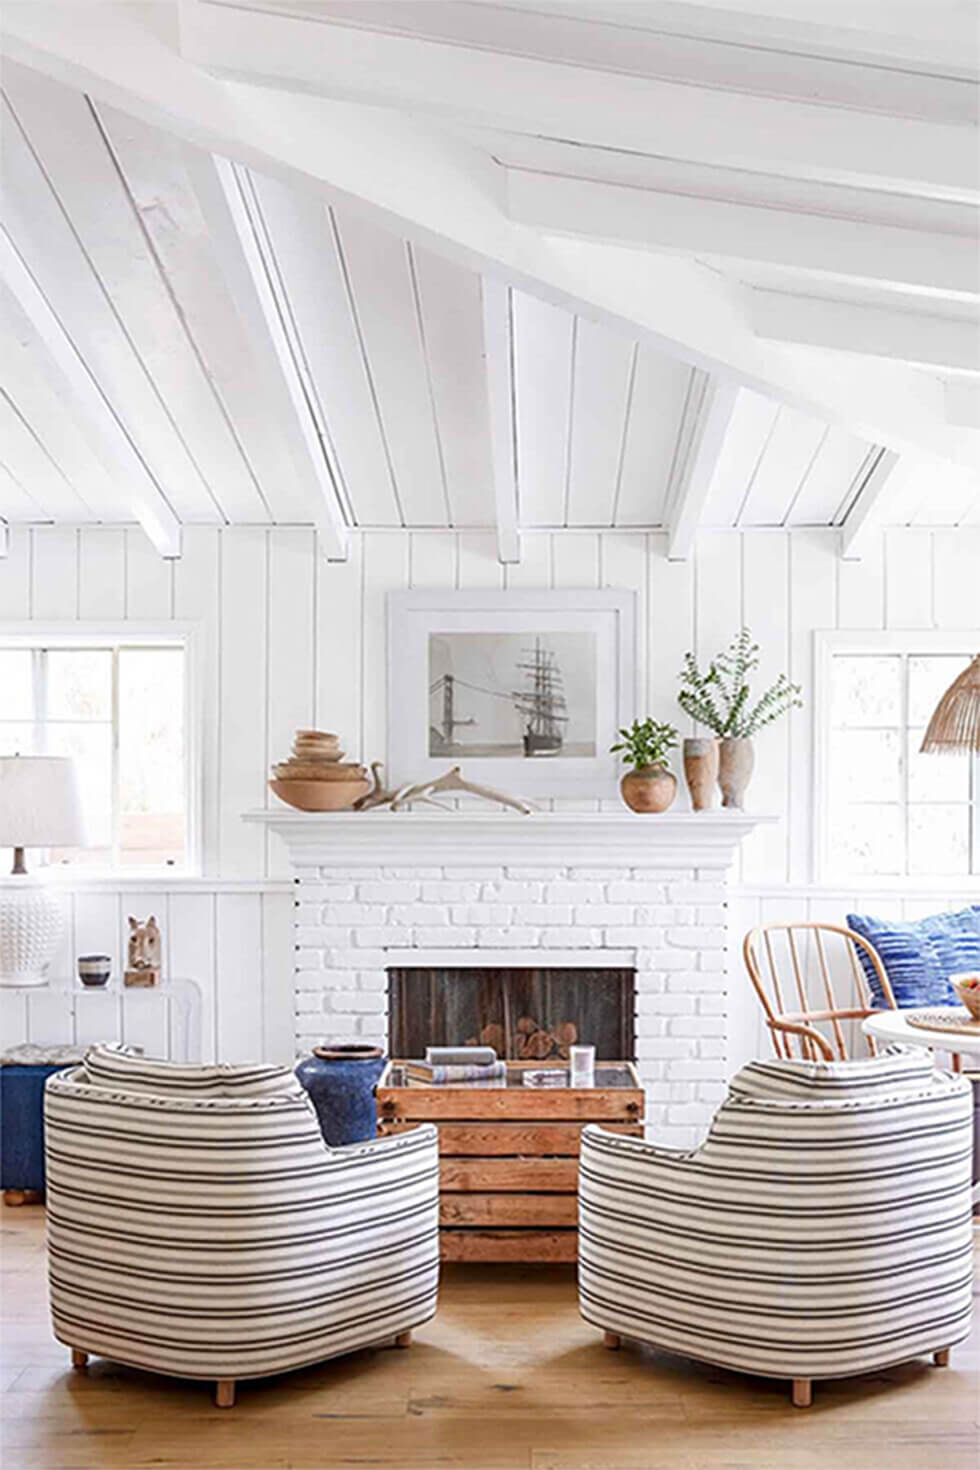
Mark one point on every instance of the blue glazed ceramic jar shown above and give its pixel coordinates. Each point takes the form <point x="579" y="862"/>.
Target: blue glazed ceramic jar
<point x="341" y="1082"/>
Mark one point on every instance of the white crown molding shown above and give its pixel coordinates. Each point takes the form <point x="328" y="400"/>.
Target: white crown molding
<point x="613" y="839"/>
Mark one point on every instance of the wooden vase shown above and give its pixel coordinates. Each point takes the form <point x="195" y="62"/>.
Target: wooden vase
<point x="736" y="758"/>
<point x="648" y="789"/>
<point x="701" y="771"/>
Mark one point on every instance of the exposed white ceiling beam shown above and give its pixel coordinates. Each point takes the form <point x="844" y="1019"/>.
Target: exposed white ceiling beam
<point x="148" y="500"/>
<point x="474" y="86"/>
<point x="231" y="209"/>
<point x="738" y="45"/>
<point x="692" y="179"/>
<point x="705" y="423"/>
<point x="865" y="514"/>
<point x="913" y="337"/>
<point x="498" y="353"/>
<point x="440" y="193"/>
<point x="817" y="244"/>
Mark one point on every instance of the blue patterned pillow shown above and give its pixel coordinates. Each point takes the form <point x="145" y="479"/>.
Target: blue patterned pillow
<point x="919" y="955"/>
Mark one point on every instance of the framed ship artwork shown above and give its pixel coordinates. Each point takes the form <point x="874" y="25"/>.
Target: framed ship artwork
<point x="524" y="690"/>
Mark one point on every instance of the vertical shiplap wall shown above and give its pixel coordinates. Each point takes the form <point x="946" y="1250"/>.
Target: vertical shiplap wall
<point x="290" y="640"/>
<point x="234" y="941"/>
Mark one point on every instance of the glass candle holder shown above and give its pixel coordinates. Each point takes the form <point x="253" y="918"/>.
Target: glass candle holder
<point x="581" y="1066"/>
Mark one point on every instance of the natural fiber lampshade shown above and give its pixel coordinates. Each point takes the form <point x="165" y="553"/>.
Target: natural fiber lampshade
<point x="955" y="724"/>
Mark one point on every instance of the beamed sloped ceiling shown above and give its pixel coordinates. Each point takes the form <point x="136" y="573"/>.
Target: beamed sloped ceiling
<point x="188" y="338"/>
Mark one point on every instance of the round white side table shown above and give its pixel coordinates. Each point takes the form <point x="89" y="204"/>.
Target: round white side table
<point x="892" y="1026"/>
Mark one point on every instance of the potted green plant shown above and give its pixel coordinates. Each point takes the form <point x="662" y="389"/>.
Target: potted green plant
<point x="721" y="699"/>
<point x="650" y="786"/>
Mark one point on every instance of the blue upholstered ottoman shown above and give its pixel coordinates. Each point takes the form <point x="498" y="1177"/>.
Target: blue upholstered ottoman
<point x="23" y="1072"/>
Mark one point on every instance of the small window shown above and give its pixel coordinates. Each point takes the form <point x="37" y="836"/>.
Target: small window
<point x="885" y="809"/>
<point x="120" y="710"/>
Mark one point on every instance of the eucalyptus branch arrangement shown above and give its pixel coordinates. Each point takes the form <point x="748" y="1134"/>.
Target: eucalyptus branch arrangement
<point x="647" y="743"/>
<point x="721" y="698"/>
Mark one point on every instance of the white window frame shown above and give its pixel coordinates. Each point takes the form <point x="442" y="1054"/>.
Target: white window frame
<point x="953" y="642"/>
<point x="183" y="635"/>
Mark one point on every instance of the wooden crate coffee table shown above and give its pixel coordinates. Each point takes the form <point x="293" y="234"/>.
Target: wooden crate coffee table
<point x="509" y="1155"/>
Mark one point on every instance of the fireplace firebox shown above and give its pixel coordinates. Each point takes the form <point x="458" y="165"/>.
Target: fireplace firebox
<point x="524" y="1014"/>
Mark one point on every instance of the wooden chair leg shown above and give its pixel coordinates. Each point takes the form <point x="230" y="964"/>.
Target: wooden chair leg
<point x="224" y="1393"/>
<point x="79" y="1360"/>
<point x="404" y="1339"/>
<point x="941" y="1358"/>
<point x="802" y="1393"/>
<point x="612" y="1340"/>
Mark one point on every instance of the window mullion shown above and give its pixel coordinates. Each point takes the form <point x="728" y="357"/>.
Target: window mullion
<point x="39" y="681"/>
<point x="116" y="794"/>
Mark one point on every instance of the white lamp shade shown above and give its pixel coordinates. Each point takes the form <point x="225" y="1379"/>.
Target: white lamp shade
<point x="39" y="802"/>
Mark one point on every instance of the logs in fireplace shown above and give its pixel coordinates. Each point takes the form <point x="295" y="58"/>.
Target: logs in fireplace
<point x="524" y="1014"/>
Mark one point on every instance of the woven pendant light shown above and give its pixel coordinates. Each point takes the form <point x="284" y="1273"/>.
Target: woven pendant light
<point x="955" y="724"/>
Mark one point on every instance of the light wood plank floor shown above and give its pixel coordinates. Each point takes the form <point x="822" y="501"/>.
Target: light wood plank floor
<point x="507" y="1377"/>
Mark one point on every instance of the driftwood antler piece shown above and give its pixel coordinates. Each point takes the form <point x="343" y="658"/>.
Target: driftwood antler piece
<point x="380" y="795"/>
<point x="451" y="782"/>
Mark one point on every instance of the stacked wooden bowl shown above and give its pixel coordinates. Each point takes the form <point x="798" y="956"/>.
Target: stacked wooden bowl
<point x="316" y="778"/>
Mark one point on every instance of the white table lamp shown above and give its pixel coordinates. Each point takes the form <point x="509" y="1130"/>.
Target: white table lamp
<point x="39" y="807"/>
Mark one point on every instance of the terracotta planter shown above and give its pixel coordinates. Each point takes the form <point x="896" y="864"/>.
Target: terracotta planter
<point x="736" y="758"/>
<point x="648" y="789"/>
<point x="701" y="771"/>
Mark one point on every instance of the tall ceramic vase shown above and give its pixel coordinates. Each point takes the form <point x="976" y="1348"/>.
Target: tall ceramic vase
<point x="736" y="758"/>
<point x="701" y="771"/>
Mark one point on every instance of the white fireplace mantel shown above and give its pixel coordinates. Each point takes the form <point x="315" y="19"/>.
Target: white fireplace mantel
<point x="698" y="839"/>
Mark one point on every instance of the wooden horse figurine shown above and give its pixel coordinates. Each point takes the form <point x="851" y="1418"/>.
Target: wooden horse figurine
<point x="143" y="953"/>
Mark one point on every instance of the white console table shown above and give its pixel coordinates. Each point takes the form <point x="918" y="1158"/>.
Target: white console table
<point x="164" y="1020"/>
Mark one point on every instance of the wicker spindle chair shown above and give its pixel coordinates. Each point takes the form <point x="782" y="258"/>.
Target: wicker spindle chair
<point x="789" y="1026"/>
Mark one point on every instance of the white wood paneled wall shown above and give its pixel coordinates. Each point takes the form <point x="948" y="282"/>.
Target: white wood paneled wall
<point x="235" y="941"/>
<point x="292" y="640"/>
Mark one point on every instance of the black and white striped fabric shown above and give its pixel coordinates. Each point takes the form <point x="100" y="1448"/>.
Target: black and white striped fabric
<point x="822" y="1229"/>
<point x="110" y="1064"/>
<point x="215" y="1235"/>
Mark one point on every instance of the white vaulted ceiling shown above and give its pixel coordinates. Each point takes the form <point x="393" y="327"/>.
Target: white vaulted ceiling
<point x="190" y="340"/>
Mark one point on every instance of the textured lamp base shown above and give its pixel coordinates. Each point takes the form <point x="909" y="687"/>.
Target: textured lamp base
<point x="30" y="926"/>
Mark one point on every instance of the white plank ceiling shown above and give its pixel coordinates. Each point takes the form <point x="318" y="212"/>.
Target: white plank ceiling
<point x="388" y="339"/>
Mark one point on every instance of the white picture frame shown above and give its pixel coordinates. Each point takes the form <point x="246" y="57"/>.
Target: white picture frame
<point x="434" y="632"/>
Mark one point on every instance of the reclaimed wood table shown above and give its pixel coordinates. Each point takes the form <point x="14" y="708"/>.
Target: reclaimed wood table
<point x="508" y="1186"/>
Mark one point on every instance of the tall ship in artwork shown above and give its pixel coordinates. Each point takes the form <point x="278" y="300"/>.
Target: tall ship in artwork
<point x="541" y="703"/>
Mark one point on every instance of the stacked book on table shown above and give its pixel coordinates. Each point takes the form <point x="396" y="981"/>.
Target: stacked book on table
<point x="456" y="1066"/>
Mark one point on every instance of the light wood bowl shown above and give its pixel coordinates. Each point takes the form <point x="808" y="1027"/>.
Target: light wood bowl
<point x="303" y="770"/>
<point x="969" y="998"/>
<point x="320" y="796"/>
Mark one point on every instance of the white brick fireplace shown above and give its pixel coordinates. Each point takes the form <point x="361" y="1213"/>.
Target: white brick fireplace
<point x="382" y="889"/>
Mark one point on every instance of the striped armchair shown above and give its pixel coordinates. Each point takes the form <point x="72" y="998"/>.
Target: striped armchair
<point x="199" y="1226"/>
<point x="822" y="1229"/>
